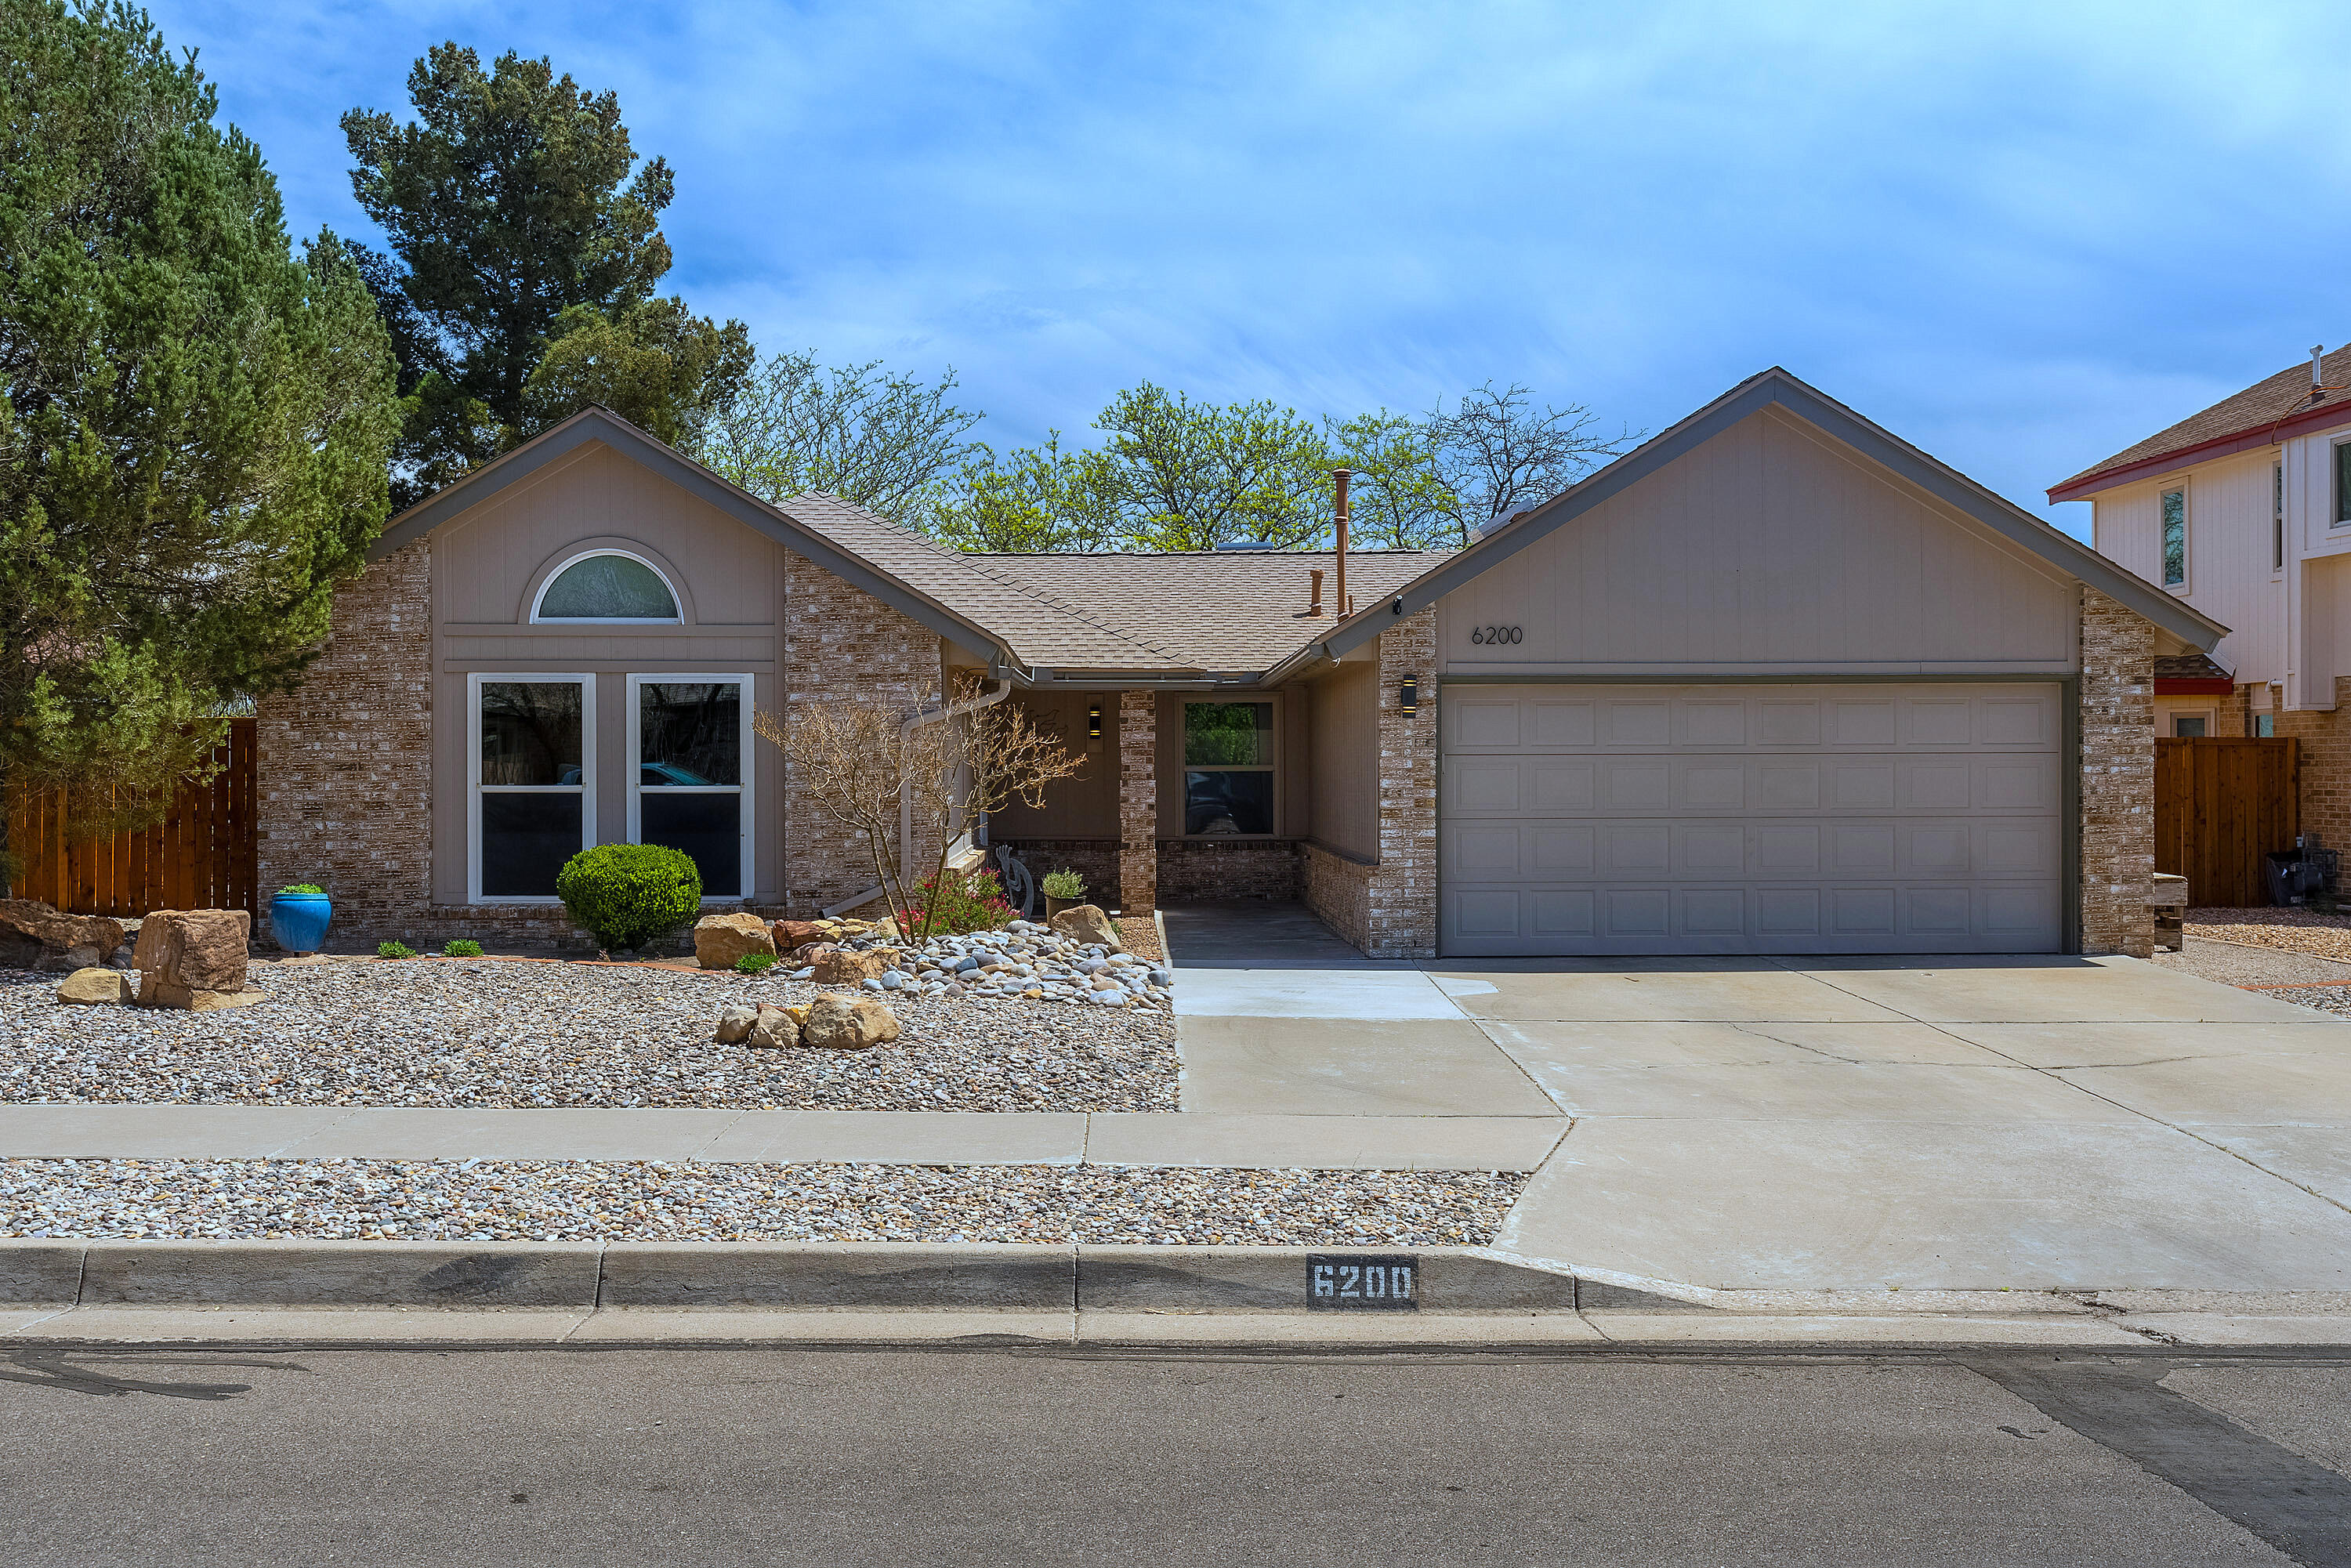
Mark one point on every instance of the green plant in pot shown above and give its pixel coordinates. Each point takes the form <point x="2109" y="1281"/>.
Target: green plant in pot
<point x="1063" y="889"/>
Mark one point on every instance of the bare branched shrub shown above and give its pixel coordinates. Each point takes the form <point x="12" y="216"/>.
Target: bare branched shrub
<point x="977" y="762"/>
<point x="846" y="760"/>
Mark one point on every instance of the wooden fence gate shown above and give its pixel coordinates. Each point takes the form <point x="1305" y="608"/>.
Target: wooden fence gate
<point x="201" y="856"/>
<point x="2221" y="804"/>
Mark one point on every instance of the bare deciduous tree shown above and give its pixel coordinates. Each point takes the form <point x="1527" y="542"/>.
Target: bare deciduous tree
<point x="876" y="439"/>
<point x="981" y="760"/>
<point x="1496" y="456"/>
<point x="848" y="761"/>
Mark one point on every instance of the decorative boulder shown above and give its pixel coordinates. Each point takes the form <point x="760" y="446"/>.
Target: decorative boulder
<point x="35" y="936"/>
<point x="848" y="966"/>
<point x="1087" y="925"/>
<point x="735" y="1023"/>
<point x="720" y="939"/>
<point x="776" y="1026"/>
<point x="849" y="1023"/>
<point x="791" y="933"/>
<point x="195" y="960"/>
<point x="94" y="984"/>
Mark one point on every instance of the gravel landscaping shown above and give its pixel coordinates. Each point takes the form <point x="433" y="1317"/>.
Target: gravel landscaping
<point x="549" y="1201"/>
<point x="486" y="1032"/>
<point x="2289" y="929"/>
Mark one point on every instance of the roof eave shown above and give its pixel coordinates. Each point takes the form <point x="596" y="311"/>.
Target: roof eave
<point x="2082" y="486"/>
<point x="1777" y="387"/>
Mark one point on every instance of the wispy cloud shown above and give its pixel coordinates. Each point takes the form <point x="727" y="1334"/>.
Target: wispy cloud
<point x="2021" y="235"/>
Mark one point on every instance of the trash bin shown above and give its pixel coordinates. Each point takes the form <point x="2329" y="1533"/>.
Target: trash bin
<point x="2289" y="876"/>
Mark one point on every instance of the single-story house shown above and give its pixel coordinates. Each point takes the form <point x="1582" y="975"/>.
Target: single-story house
<point x="1773" y="682"/>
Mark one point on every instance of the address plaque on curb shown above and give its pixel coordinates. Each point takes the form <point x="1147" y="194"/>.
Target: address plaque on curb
<point x="1361" y="1282"/>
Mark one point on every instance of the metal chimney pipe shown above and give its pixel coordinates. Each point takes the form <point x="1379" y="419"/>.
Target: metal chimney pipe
<point x="1340" y="607"/>
<point x="2317" y="350"/>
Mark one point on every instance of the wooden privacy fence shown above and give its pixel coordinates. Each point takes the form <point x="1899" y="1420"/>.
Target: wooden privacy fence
<point x="2221" y="804"/>
<point x="201" y="856"/>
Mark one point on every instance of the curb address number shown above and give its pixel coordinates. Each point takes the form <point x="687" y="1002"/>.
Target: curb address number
<point x="1484" y="634"/>
<point x="1346" y="1281"/>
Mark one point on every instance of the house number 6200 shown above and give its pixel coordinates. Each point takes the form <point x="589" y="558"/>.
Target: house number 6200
<point x="1498" y="633"/>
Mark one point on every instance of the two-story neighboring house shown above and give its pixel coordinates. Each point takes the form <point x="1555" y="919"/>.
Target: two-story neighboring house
<point x="2243" y="510"/>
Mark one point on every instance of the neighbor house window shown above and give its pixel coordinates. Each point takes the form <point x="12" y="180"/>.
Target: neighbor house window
<point x="2186" y="728"/>
<point x="2173" y="508"/>
<point x="692" y="769"/>
<point x="534" y="765"/>
<point x="2342" y="482"/>
<point x="609" y="586"/>
<point x="1227" y="768"/>
<point x="2264" y="725"/>
<point x="2277" y="517"/>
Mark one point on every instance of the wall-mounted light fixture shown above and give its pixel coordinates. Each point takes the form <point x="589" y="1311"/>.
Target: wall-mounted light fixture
<point x="1409" y="699"/>
<point x="1094" y="723"/>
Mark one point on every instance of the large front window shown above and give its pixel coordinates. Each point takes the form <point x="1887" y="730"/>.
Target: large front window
<point x="534" y="765"/>
<point x="690" y="768"/>
<point x="1227" y="769"/>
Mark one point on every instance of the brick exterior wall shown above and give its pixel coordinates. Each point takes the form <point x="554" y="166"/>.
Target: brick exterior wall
<point x="2323" y="759"/>
<point x="1138" y="801"/>
<point x="1338" y="889"/>
<point x="1096" y="860"/>
<point x="2118" y="778"/>
<point x="840" y="643"/>
<point x="1210" y="870"/>
<point x="344" y="775"/>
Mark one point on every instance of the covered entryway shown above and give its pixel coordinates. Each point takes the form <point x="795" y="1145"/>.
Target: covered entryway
<point x="1800" y="818"/>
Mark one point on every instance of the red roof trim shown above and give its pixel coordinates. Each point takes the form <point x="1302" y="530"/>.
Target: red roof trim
<point x="2202" y="451"/>
<point x="2193" y="686"/>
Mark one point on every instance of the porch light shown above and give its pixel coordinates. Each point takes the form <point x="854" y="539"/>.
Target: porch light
<point x="1094" y="723"/>
<point x="1409" y="701"/>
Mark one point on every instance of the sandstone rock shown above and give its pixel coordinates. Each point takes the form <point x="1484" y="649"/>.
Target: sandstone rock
<point x="847" y="967"/>
<point x="1087" y="925"/>
<point x="34" y="936"/>
<point x="776" y="1026"/>
<point x="194" y="958"/>
<point x="791" y="933"/>
<point x="849" y="1023"/>
<point x="720" y="939"/>
<point x="734" y="1022"/>
<point x="94" y="984"/>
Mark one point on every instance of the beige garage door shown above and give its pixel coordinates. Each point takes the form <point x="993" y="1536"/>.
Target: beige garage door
<point x="1750" y="819"/>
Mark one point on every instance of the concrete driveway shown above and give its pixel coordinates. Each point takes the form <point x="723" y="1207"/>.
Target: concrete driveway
<point x="1822" y="1124"/>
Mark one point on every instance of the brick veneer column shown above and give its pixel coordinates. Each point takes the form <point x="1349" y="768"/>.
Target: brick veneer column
<point x="2117" y="764"/>
<point x="1138" y="801"/>
<point x="344" y="775"/>
<point x="1402" y="918"/>
<point x="841" y="645"/>
<point x="2323" y="761"/>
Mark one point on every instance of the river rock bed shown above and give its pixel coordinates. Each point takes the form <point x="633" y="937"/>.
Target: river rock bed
<point x="491" y="1032"/>
<point x="490" y="1200"/>
<point x="1025" y="959"/>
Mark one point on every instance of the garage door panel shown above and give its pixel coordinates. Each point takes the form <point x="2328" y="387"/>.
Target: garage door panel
<point x="1766" y="819"/>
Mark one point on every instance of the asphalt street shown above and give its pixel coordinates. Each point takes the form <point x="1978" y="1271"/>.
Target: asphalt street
<point x="847" y="1458"/>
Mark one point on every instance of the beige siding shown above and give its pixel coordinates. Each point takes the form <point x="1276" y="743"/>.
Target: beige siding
<point x="487" y="571"/>
<point x="1766" y="550"/>
<point x="1343" y="752"/>
<point x="1085" y="807"/>
<point x="2229" y="551"/>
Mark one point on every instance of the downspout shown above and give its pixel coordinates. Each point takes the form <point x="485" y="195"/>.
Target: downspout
<point x="905" y="801"/>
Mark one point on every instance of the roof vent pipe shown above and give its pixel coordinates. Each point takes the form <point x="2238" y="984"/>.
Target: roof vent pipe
<point x="2317" y="349"/>
<point x="1341" y="605"/>
<point x="1314" y="597"/>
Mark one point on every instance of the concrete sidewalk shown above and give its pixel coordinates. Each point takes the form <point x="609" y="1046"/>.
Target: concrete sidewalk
<point x="1510" y="1143"/>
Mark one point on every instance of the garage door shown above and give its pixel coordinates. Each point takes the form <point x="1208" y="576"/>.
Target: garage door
<point x="1750" y="819"/>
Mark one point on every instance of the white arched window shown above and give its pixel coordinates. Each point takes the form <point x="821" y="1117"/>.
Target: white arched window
<point x="607" y="585"/>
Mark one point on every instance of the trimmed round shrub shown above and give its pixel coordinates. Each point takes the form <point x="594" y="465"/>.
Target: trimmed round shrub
<point x="627" y="895"/>
<point x="755" y="963"/>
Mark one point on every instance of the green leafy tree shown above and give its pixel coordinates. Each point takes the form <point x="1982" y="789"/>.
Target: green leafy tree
<point x="1398" y="499"/>
<point x="876" y="439"/>
<point x="508" y="202"/>
<point x="194" y="423"/>
<point x="1033" y="499"/>
<point x="1191" y="476"/>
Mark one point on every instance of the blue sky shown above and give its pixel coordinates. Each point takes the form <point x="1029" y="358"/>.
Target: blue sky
<point x="2023" y="235"/>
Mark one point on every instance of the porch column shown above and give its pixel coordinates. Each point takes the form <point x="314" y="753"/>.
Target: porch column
<point x="1138" y="801"/>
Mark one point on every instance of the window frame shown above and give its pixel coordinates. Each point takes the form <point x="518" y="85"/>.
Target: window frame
<point x="475" y="788"/>
<point x="2205" y="717"/>
<point x="1183" y="766"/>
<point x="538" y="600"/>
<point x="2338" y="492"/>
<point x="2277" y="517"/>
<point x="743" y="788"/>
<point x="2162" y="568"/>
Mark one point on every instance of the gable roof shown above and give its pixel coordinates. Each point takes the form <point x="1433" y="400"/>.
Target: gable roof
<point x="1776" y="388"/>
<point x="2275" y="406"/>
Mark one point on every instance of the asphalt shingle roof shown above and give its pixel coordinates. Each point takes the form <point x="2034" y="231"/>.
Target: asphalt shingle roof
<point x="2262" y="404"/>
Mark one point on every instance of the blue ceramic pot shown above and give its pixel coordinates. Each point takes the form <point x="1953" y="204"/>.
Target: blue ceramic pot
<point x="298" y="920"/>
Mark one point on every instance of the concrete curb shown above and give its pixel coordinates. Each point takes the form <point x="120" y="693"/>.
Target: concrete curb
<point x="588" y="1275"/>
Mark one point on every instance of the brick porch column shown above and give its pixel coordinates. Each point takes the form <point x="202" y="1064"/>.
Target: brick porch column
<point x="2117" y="764"/>
<point x="1138" y="801"/>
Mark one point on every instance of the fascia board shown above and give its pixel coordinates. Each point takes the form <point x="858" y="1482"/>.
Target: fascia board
<point x="2301" y="424"/>
<point x="596" y="425"/>
<point x="1777" y="387"/>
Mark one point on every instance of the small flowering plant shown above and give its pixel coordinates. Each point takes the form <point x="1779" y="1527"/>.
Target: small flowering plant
<point x="950" y="903"/>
